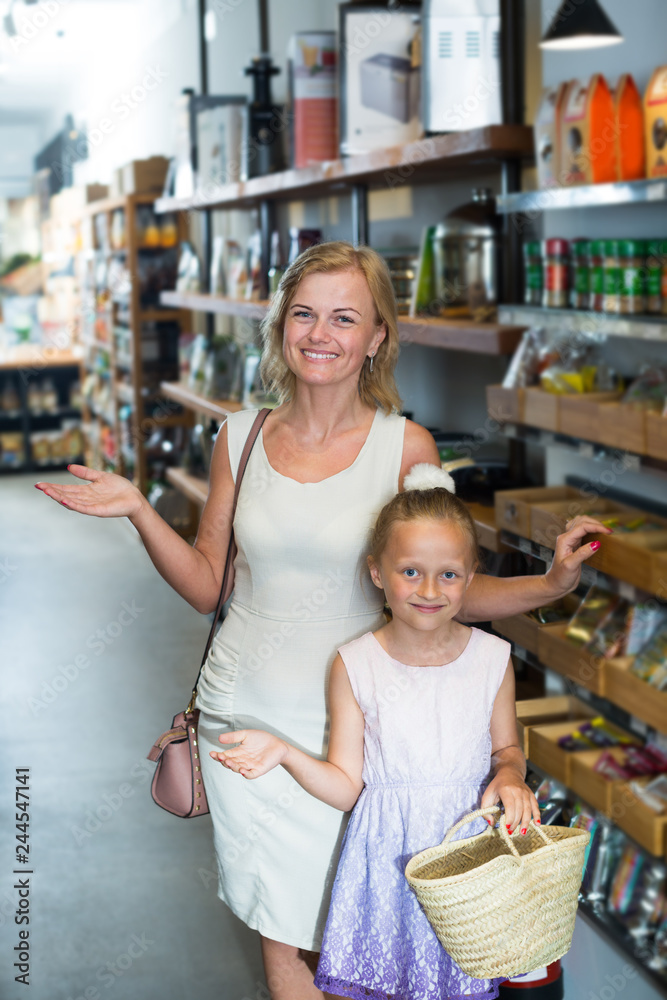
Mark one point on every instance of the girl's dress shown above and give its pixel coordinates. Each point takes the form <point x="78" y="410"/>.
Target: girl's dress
<point x="302" y="589"/>
<point x="426" y="759"/>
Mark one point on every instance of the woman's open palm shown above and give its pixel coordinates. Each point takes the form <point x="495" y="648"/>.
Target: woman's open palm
<point x="104" y="495"/>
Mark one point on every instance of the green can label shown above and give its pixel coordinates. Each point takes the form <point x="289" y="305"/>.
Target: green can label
<point x="653" y="281"/>
<point x="597" y="280"/>
<point x="632" y="281"/>
<point x="582" y="280"/>
<point x="613" y="280"/>
<point x="534" y="277"/>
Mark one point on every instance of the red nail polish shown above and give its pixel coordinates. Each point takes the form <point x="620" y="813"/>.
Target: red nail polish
<point x="490" y="822"/>
<point x="595" y="546"/>
<point x="508" y="827"/>
<point x="538" y="821"/>
<point x="523" y="829"/>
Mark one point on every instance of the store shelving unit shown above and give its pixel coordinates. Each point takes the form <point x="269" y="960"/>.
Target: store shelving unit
<point x="647" y="191"/>
<point x="651" y="328"/>
<point x="114" y="341"/>
<point x="21" y="366"/>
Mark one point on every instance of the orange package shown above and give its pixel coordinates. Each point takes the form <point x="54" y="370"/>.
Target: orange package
<point x="629" y="122"/>
<point x="588" y="147"/>
<point x="547" y="136"/>
<point x="655" y="118"/>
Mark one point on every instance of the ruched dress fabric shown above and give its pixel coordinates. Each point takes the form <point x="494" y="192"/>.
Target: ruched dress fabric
<point x="302" y="589"/>
<point x="426" y="760"/>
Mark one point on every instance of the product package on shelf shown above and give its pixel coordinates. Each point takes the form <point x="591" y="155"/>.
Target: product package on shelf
<point x="629" y="130"/>
<point x="379" y="80"/>
<point x="548" y="136"/>
<point x="655" y="112"/>
<point x="587" y="151"/>
<point x="221" y="133"/>
<point x="313" y="100"/>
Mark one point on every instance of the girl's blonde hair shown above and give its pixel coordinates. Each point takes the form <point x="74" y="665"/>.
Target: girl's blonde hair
<point x="376" y="388"/>
<point x="414" y="505"/>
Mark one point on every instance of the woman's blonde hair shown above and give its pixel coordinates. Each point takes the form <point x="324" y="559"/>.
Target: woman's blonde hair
<point x="436" y="504"/>
<point x="376" y="388"/>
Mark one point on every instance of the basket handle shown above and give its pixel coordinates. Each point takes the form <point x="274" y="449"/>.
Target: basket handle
<point x="483" y="812"/>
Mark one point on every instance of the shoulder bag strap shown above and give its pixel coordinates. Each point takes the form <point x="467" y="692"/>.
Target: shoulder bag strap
<point x="229" y="562"/>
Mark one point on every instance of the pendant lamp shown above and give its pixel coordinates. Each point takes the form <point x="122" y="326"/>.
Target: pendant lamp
<point x="580" y="24"/>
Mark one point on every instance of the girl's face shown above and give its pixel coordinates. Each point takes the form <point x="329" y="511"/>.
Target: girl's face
<point x="330" y="328"/>
<point x="425" y="570"/>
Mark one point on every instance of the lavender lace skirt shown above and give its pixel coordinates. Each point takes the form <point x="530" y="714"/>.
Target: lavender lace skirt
<point x="378" y="942"/>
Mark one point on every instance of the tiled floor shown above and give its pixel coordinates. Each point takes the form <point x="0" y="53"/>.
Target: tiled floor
<point x="123" y="896"/>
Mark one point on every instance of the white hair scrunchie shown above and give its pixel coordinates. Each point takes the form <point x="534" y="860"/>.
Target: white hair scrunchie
<point x="428" y="477"/>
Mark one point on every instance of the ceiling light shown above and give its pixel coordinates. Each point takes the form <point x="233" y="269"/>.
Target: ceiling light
<point x="580" y="24"/>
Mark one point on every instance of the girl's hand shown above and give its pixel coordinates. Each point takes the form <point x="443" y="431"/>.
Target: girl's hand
<point x="565" y="570"/>
<point x="257" y="753"/>
<point x="517" y="799"/>
<point x="107" y="494"/>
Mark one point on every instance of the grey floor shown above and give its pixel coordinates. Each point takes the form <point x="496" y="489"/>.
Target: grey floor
<point x="123" y="897"/>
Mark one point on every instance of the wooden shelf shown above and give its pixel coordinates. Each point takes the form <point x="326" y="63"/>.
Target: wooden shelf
<point x="39" y="357"/>
<point x="216" y="408"/>
<point x="447" y="334"/>
<point x="485" y="523"/>
<point x="120" y="201"/>
<point x="201" y="302"/>
<point x="192" y="487"/>
<point x="425" y="159"/>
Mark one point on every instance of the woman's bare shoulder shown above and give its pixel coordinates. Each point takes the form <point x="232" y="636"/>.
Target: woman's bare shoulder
<point x="418" y="446"/>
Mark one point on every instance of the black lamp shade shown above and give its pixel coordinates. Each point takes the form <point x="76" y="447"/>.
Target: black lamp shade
<point x="580" y="24"/>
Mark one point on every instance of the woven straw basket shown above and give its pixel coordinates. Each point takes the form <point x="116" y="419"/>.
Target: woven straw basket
<point x="501" y="905"/>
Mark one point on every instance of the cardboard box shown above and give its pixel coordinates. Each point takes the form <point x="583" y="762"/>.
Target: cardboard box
<point x="655" y="123"/>
<point x="145" y="176"/>
<point x="588" y="148"/>
<point x="547" y="131"/>
<point x="629" y="130"/>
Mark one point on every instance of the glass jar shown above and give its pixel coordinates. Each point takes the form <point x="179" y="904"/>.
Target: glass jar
<point x="654" y="276"/>
<point x="580" y="281"/>
<point x="596" y="276"/>
<point x="632" y="257"/>
<point x="612" y="277"/>
<point x="555" y="294"/>
<point x="534" y="275"/>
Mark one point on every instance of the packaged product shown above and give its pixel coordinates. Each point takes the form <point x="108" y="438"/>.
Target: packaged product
<point x="629" y="130"/>
<point x="588" y="154"/>
<point x="312" y="86"/>
<point x="624" y="891"/>
<point x="610" y="637"/>
<point x="547" y="136"/>
<point x="648" y="391"/>
<point x="655" y="123"/>
<point x="644" y="621"/>
<point x="254" y="279"/>
<point x="40" y="447"/>
<point x="650" y="664"/>
<point x="597" y="606"/>
<point x="12" y="450"/>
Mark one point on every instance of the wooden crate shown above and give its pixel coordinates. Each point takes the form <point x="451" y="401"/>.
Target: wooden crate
<point x="572" y="661"/>
<point x="505" y="405"/>
<point x="594" y="788"/>
<point x="622" y="427"/>
<point x="656" y="436"/>
<point x="659" y="575"/>
<point x="513" y="506"/>
<point x="634" y="695"/>
<point x="580" y="414"/>
<point x="539" y="711"/>
<point x="488" y="535"/>
<point x="645" y="826"/>
<point x="547" y="520"/>
<point x="544" y="752"/>
<point x="636" y="557"/>
<point x="521" y="629"/>
<point x="541" y="409"/>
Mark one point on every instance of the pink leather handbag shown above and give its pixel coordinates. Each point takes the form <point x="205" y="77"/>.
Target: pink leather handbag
<point x="177" y="784"/>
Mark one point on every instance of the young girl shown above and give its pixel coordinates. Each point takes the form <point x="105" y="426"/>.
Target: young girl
<point x="422" y="713"/>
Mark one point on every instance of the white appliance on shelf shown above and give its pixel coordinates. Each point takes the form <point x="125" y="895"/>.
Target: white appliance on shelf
<point x="461" y="65"/>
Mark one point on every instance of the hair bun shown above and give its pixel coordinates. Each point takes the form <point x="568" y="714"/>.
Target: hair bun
<point x="428" y="477"/>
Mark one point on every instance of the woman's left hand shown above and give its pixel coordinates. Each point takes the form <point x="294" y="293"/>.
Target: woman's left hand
<point x="565" y="571"/>
<point x="509" y="788"/>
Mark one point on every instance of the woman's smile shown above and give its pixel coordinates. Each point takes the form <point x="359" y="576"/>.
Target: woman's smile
<point x="318" y="355"/>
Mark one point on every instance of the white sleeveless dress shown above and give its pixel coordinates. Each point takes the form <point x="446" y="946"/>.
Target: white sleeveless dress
<point x="302" y="589"/>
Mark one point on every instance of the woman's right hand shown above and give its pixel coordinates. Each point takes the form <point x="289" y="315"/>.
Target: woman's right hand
<point x="105" y="494"/>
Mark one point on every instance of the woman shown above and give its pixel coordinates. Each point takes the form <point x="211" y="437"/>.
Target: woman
<point x="328" y="458"/>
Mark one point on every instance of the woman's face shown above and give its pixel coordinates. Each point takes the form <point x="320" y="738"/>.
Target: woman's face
<point x="330" y="328"/>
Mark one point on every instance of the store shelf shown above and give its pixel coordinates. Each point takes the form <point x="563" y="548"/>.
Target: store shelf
<point x="219" y="409"/>
<point x="602" y="921"/>
<point x="200" y="302"/>
<point x="485" y="522"/>
<point x="453" y="335"/>
<point x="578" y="321"/>
<point x="158" y="315"/>
<point x="120" y="201"/>
<point x="424" y="159"/>
<point x="39" y="357"/>
<point x="192" y="487"/>
<point x="584" y="196"/>
<point x="580" y="447"/>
